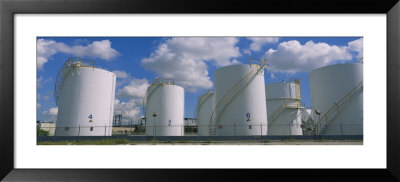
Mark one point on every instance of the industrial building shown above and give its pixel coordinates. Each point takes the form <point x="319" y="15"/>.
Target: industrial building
<point x="47" y="126"/>
<point x="85" y="98"/>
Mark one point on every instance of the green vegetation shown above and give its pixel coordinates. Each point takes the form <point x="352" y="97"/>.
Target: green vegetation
<point x="41" y="132"/>
<point x="187" y="141"/>
<point x="289" y="140"/>
<point x="89" y="142"/>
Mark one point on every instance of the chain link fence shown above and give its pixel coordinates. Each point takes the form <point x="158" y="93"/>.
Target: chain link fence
<point x="202" y="130"/>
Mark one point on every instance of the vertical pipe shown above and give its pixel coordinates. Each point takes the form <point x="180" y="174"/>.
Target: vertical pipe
<point x="341" y="128"/>
<point x="79" y="129"/>
<point x="155" y="126"/>
<point x="290" y="130"/>
<point x="130" y="133"/>
<point x="234" y="130"/>
<point x="337" y="107"/>
<point x="154" y="132"/>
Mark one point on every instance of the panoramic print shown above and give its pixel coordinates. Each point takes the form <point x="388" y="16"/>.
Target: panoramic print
<point x="199" y="90"/>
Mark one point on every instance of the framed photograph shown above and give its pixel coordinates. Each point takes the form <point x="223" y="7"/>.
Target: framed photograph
<point x="143" y="52"/>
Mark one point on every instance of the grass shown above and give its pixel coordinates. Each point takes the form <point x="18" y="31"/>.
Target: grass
<point x="89" y="142"/>
<point x="289" y="140"/>
<point x="173" y="142"/>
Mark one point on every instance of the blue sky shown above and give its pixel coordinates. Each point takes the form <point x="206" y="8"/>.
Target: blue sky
<point x="190" y="61"/>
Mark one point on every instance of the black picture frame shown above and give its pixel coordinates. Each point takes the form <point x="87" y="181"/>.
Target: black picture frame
<point x="9" y="8"/>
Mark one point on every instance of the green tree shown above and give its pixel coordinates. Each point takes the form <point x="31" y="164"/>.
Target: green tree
<point x="41" y="132"/>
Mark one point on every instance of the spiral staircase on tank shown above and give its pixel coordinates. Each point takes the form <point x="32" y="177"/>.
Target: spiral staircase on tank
<point x="65" y="70"/>
<point x="321" y="126"/>
<point x="221" y="106"/>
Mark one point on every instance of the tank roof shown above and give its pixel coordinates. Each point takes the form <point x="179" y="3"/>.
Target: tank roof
<point x="334" y="65"/>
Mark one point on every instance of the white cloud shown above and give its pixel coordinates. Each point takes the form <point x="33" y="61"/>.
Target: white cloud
<point x="38" y="106"/>
<point x="293" y="57"/>
<point x="97" y="49"/>
<point x="246" y="51"/>
<point x="130" y="109"/>
<point x="51" y="112"/>
<point x="258" y="42"/>
<point x="184" y="59"/>
<point x="123" y="77"/>
<point x="135" y="89"/>
<point x="121" y="74"/>
<point x="133" y="93"/>
<point x="41" y="81"/>
<point x="357" y="46"/>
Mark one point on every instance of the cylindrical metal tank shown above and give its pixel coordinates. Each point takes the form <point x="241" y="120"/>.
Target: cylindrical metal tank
<point x="85" y="99"/>
<point x="205" y="107"/>
<point x="245" y="113"/>
<point x="164" y="109"/>
<point x="338" y="91"/>
<point x="284" y="108"/>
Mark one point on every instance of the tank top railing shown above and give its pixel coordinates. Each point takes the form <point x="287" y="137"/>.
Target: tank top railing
<point x="64" y="71"/>
<point x="319" y="128"/>
<point x="233" y="92"/>
<point x="162" y="81"/>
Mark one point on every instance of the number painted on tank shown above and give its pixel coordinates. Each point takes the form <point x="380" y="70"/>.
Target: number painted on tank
<point x="248" y="115"/>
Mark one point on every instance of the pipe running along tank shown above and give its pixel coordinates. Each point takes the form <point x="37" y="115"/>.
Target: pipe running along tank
<point x="85" y="99"/>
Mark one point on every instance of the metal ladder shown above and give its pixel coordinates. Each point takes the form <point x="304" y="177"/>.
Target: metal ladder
<point x="65" y="69"/>
<point x="319" y="127"/>
<point x="221" y="106"/>
<point x="59" y="82"/>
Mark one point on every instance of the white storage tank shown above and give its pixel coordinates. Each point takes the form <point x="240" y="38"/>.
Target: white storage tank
<point x="284" y="108"/>
<point x="205" y="107"/>
<point x="164" y="109"/>
<point x="240" y="101"/>
<point x="85" y="99"/>
<point x="337" y="93"/>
